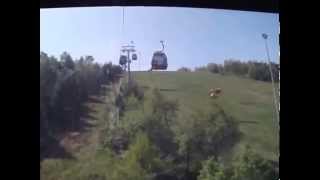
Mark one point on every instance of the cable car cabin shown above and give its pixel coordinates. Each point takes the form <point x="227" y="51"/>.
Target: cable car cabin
<point x="123" y="60"/>
<point x="159" y="61"/>
<point x="134" y="57"/>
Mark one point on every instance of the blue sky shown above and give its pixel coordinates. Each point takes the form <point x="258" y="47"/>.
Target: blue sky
<point x="192" y="36"/>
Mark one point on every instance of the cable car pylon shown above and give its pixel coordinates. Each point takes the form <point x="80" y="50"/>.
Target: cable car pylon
<point x="125" y="60"/>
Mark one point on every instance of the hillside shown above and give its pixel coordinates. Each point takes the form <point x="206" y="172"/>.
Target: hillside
<point x="248" y="101"/>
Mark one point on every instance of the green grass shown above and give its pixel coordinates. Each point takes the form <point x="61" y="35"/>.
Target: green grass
<point x="99" y="163"/>
<point x="248" y="101"/>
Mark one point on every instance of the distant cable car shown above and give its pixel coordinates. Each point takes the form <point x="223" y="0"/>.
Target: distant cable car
<point x="134" y="57"/>
<point x="159" y="60"/>
<point x="123" y="60"/>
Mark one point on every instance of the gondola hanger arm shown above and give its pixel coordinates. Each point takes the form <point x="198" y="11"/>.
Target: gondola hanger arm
<point x="162" y="45"/>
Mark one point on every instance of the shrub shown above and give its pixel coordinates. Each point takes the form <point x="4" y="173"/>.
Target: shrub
<point x="211" y="170"/>
<point x="251" y="166"/>
<point x="184" y="69"/>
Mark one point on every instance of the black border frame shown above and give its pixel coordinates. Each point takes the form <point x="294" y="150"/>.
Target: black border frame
<point x="271" y="6"/>
<point x="20" y="66"/>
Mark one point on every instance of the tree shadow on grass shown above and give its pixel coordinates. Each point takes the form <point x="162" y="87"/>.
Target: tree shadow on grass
<point x="248" y="122"/>
<point x="85" y="126"/>
<point x="229" y="142"/>
<point x="79" y="120"/>
<point x="85" y="113"/>
<point x="85" y="109"/>
<point x="248" y="103"/>
<point x="93" y="99"/>
<point x="167" y="89"/>
<point x="52" y="149"/>
<point x="166" y="177"/>
<point x="87" y="116"/>
<point x="145" y="87"/>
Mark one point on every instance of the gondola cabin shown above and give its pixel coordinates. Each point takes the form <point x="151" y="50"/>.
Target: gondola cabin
<point x="159" y="61"/>
<point x="123" y="60"/>
<point x="134" y="57"/>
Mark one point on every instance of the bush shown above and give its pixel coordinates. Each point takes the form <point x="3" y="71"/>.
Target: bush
<point x="65" y="85"/>
<point x="252" y="69"/>
<point x="251" y="166"/>
<point x="156" y="122"/>
<point x="139" y="162"/>
<point x="213" y="68"/>
<point x="134" y="89"/>
<point x="203" y="68"/>
<point x="117" y="139"/>
<point x="204" y="135"/>
<point x="184" y="69"/>
<point x="211" y="170"/>
<point x="128" y="95"/>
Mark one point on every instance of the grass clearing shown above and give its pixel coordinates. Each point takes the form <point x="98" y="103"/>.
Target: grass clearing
<point x="249" y="101"/>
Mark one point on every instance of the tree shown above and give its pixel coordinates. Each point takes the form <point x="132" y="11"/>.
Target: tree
<point x="213" y="67"/>
<point x="158" y="123"/>
<point x="155" y="122"/>
<point x="48" y="79"/>
<point x="251" y="166"/>
<point x="211" y="170"/>
<point x="144" y="152"/>
<point x="248" y="166"/>
<point x="184" y="69"/>
<point x="163" y="108"/>
<point x="252" y="69"/>
<point x="64" y="86"/>
<point x="67" y="60"/>
<point x="203" y="68"/>
<point x="220" y="69"/>
<point x="204" y="135"/>
<point x="117" y="139"/>
<point x="139" y="162"/>
<point x="115" y="72"/>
